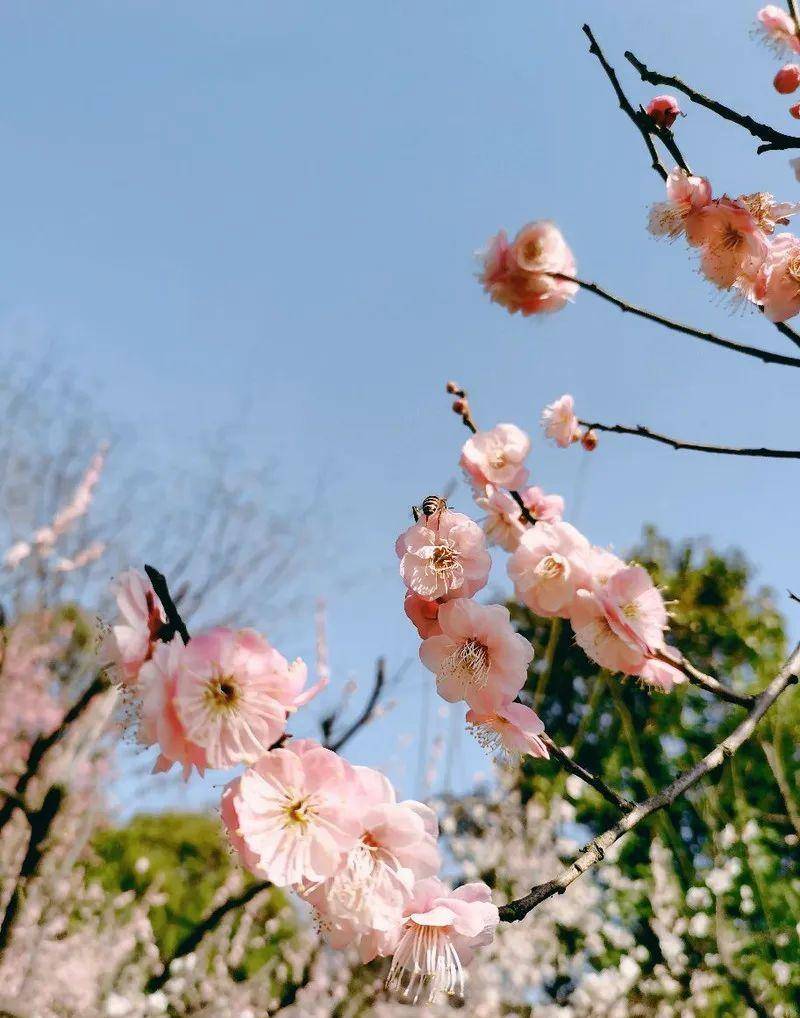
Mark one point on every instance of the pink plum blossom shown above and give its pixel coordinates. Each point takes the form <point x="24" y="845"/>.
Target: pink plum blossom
<point x="545" y="508"/>
<point x="549" y="567"/>
<point x="594" y="634"/>
<point x="511" y="730"/>
<point x="133" y="640"/>
<point x="779" y="289"/>
<point x="444" y="558"/>
<point x="767" y="211"/>
<point x="479" y="657"/>
<point x="441" y="932"/>
<point x="664" y="110"/>
<point x="228" y="695"/>
<point x="733" y="246"/>
<point x="230" y="820"/>
<point x="602" y="564"/>
<point x="159" y="723"/>
<point x="423" y="613"/>
<point x="497" y="456"/>
<point x="778" y="28"/>
<point x="787" y="79"/>
<point x="687" y="196"/>
<point x="503" y="523"/>
<point x="519" y="275"/>
<point x="661" y="674"/>
<point x="635" y="608"/>
<point x="363" y="901"/>
<point x="296" y="813"/>
<point x="559" y="421"/>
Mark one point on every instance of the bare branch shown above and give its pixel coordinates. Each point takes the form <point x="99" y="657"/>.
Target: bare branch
<point x="709" y="337"/>
<point x="772" y="139"/>
<point x="366" y="714"/>
<point x="722" y="450"/>
<point x="596" y="783"/>
<point x="175" y="623"/>
<point x="704" y="681"/>
<point x="595" y="851"/>
<point x="788" y="331"/>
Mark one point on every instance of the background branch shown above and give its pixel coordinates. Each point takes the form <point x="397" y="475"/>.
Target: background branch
<point x="722" y="450"/>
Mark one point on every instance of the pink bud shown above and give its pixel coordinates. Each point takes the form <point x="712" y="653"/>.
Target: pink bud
<point x="589" y="440"/>
<point x="664" y="110"/>
<point x="787" y="79"/>
<point x="795" y="111"/>
<point x="460" y="406"/>
<point x="455" y="389"/>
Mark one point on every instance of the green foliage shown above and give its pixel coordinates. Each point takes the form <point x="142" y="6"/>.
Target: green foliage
<point x="638" y="741"/>
<point x="186" y="857"/>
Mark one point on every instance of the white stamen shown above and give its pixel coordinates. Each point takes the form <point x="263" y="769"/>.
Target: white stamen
<point x="424" y="964"/>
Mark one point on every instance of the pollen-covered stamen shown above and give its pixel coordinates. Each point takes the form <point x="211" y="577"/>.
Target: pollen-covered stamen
<point x="425" y="963"/>
<point x="467" y="666"/>
<point x="298" y="811"/>
<point x="793" y="269"/>
<point x="445" y="562"/>
<point x="730" y="239"/>
<point x="222" y="693"/>
<point x="552" y="567"/>
<point x="489" y="736"/>
<point x="631" y="610"/>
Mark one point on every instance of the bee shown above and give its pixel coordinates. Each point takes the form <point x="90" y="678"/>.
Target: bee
<point x="432" y="507"/>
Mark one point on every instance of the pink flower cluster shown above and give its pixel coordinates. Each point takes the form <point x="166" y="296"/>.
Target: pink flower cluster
<point x="304" y="818"/>
<point x="300" y="815"/>
<point x="736" y="241"/>
<point x="524" y="274"/>
<point x="778" y="29"/>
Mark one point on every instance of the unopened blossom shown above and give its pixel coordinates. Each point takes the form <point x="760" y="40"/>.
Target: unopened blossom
<point x="778" y="28"/>
<point x="134" y="639"/>
<point x="559" y="421"/>
<point x="779" y="289"/>
<point x="794" y="111"/>
<point x="589" y="440"/>
<point x="233" y="694"/>
<point x="787" y="79"/>
<point x="444" y="558"/>
<point x="510" y="730"/>
<point x="423" y="613"/>
<point x="497" y="456"/>
<point x="549" y="568"/>
<point x="479" y="657"/>
<point x="687" y="196"/>
<point x="363" y="901"/>
<point x="664" y="110"/>
<point x="733" y="246"/>
<point x="522" y="275"/>
<point x="295" y="813"/>
<point x="159" y="722"/>
<point x="440" y="935"/>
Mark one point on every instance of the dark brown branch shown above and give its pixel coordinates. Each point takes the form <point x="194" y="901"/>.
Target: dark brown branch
<point x="709" y="337"/>
<point x="40" y="822"/>
<point x="45" y="742"/>
<point x="792" y="5"/>
<point x="366" y="714"/>
<point x="772" y="139"/>
<point x="722" y="450"/>
<point x="566" y="761"/>
<point x="643" y="124"/>
<point x="704" y="681"/>
<point x="193" y="938"/>
<point x="174" y="623"/>
<point x="788" y="331"/>
<point x="595" y="851"/>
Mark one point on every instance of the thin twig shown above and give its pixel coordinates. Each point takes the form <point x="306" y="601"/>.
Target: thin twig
<point x="174" y="623"/>
<point x="788" y="331"/>
<point x="704" y="681"/>
<point x="772" y="139"/>
<point x="642" y="123"/>
<point x="792" y="5"/>
<point x="596" y="850"/>
<point x="709" y="337"/>
<point x="566" y="761"/>
<point x="366" y="714"/>
<point x="722" y="450"/>
<point x="44" y="743"/>
<point x="772" y="753"/>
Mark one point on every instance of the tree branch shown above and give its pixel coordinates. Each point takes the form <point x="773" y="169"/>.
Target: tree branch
<point x="772" y="139"/>
<point x="566" y="761"/>
<point x="363" y="718"/>
<point x="595" y="851"/>
<point x="722" y="450"/>
<point x="788" y="331"/>
<point x="704" y="681"/>
<point x="709" y="337"/>
<point x="45" y="742"/>
<point x="174" y="623"/>
<point x="193" y="938"/>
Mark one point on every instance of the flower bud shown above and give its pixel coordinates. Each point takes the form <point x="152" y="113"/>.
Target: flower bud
<point x="460" y="406"/>
<point x="787" y="79"/>
<point x="455" y="389"/>
<point x="664" y="110"/>
<point x="795" y="111"/>
<point x="589" y="440"/>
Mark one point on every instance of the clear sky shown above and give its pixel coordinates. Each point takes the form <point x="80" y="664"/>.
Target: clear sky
<point x="261" y="216"/>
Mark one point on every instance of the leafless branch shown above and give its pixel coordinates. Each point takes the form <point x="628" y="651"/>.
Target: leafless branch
<point x="722" y="450"/>
<point x="767" y="356"/>
<point x="596" y="783"/>
<point x="363" y="718"/>
<point x="771" y="138"/>
<point x="595" y="851"/>
<point x="175" y="623"/>
<point x="704" y="681"/>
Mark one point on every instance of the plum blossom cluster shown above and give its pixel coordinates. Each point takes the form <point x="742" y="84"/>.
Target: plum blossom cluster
<point x="779" y="30"/>
<point x="300" y="816"/>
<point x="531" y="273"/>
<point x="738" y="248"/>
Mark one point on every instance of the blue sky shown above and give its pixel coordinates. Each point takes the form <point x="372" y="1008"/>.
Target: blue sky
<point x="261" y="217"/>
